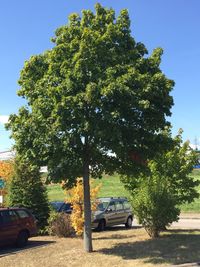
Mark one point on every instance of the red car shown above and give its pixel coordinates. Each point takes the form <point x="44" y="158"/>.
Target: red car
<point x="16" y="226"/>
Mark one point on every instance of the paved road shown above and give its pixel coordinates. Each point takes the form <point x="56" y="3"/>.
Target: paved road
<point x="186" y="221"/>
<point x="187" y="224"/>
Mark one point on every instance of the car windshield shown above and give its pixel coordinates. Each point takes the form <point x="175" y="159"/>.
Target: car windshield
<point x="102" y="205"/>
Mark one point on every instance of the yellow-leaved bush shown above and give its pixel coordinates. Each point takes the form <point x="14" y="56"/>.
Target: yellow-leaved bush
<point x="75" y="196"/>
<point x="6" y="173"/>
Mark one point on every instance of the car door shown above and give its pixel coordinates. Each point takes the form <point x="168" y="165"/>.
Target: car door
<point x="120" y="212"/>
<point x="110" y="214"/>
<point x="9" y="227"/>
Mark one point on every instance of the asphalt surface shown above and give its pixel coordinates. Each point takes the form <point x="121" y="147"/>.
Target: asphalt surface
<point x="186" y="221"/>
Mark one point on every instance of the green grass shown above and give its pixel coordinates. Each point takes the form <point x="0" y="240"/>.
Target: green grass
<point x="112" y="186"/>
<point x="55" y="192"/>
<point x="194" y="206"/>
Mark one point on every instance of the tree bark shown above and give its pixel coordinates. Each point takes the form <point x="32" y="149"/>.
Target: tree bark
<point x="87" y="204"/>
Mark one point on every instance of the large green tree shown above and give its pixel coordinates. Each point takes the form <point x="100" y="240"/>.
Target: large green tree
<point x="94" y="100"/>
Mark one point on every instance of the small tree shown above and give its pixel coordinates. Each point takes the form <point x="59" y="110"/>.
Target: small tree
<point x="27" y="190"/>
<point x="155" y="206"/>
<point x="157" y="195"/>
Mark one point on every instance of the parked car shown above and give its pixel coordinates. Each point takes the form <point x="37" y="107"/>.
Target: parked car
<point x="16" y="226"/>
<point x="61" y="206"/>
<point x="112" y="211"/>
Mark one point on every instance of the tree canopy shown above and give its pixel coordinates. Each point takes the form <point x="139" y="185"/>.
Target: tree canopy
<point x="93" y="100"/>
<point x="96" y="85"/>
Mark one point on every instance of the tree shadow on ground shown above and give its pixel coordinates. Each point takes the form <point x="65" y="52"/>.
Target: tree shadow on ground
<point x="173" y="248"/>
<point x="32" y="244"/>
<point x="116" y="235"/>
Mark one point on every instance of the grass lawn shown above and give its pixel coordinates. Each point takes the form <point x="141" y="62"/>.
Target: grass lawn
<point x="112" y="186"/>
<point x="115" y="247"/>
<point x="194" y="206"/>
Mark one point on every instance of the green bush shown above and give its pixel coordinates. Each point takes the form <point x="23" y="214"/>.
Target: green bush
<point x="164" y="185"/>
<point x="155" y="207"/>
<point x="59" y="224"/>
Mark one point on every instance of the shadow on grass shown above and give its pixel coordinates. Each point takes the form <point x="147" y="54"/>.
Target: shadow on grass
<point x="172" y="248"/>
<point x="10" y="249"/>
<point x="116" y="236"/>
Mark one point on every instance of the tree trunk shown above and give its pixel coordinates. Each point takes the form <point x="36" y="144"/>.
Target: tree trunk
<point x="87" y="205"/>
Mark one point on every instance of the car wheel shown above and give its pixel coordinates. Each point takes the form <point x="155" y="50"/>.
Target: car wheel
<point x="102" y="225"/>
<point x="22" y="239"/>
<point x="128" y="223"/>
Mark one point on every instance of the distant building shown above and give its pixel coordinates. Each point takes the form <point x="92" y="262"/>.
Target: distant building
<point x="6" y="155"/>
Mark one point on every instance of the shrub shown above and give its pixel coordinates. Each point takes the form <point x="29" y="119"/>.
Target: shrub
<point x="76" y="197"/>
<point x="60" y="224"/>
<point x="165" y="185"/>
<point x="155" y="207"/>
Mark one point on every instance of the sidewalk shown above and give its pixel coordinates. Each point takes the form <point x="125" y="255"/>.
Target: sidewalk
<point x="187" y="264"/>
<point x="190" y="216"/>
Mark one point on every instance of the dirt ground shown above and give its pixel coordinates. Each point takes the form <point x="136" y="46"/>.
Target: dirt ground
<point x="116" y="247"/>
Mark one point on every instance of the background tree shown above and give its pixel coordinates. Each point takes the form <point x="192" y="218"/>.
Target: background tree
<point x="93" y="100"/>
<point x="27" y="190"/>
<point x="6" y="169"/>
<point x="158" y="195"/>
<point x="6" y="172"/>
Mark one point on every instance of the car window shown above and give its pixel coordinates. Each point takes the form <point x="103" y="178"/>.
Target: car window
<point x="127" y="205"/>
<point x="102" y="205"/>
<point x="23" y="213"/>
<point x="13" y="216"/>
<point x="111" y="206"/>
<point x="8" y="216"/>
<point x="119" y="205"/>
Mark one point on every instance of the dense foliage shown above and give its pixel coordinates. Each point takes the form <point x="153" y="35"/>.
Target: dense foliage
<point x="94" y="92"/>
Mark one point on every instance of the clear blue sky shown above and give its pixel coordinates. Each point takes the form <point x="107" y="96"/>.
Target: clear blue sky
<point x="27" y="26"/>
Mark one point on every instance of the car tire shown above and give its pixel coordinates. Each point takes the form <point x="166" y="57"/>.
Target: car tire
<point x="101" y="226"/>
<point x="22" y="239"/>
<point x="129" y="222"/>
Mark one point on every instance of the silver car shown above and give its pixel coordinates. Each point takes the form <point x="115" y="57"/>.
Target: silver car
<point x="112" y="211"/>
